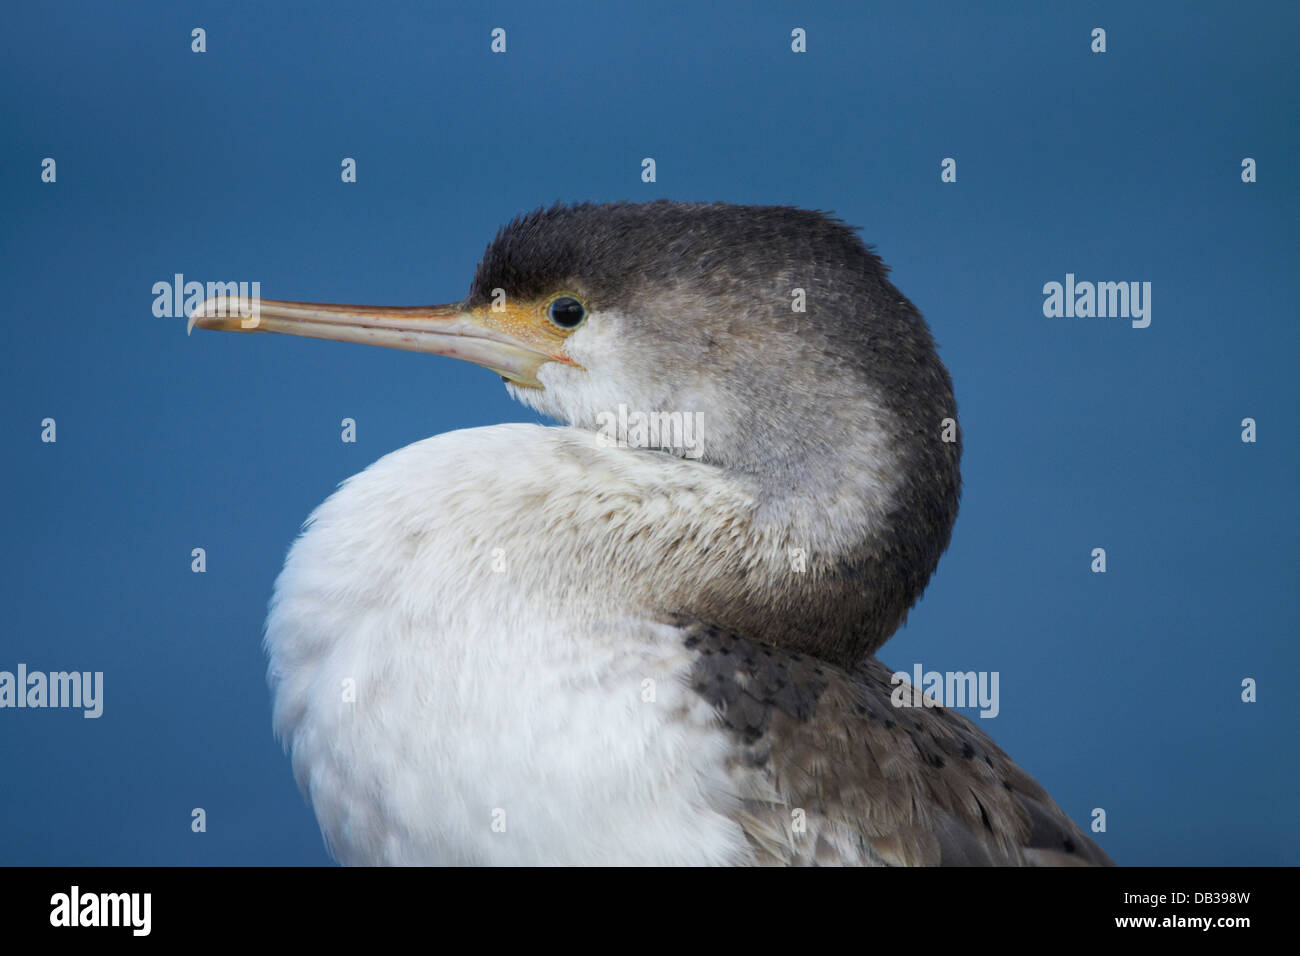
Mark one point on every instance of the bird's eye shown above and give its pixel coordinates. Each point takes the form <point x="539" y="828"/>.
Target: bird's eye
<point x="567" y="313"/>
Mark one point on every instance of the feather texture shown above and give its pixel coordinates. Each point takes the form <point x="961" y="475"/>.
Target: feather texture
<point x="873" y="784"/>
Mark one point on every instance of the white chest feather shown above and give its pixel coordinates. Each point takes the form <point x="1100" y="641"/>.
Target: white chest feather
<point x="456" y="688"/>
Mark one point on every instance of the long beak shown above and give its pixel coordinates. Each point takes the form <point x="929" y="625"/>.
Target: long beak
<point x="436" y="329"/>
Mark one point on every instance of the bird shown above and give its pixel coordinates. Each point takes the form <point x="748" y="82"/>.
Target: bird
<point x="595" y="644"/>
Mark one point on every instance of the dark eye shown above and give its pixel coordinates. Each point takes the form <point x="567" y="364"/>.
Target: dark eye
<point x="567" y="312"/>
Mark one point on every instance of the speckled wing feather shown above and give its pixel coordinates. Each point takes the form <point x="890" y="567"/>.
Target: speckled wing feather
<point x="876" y="784"/>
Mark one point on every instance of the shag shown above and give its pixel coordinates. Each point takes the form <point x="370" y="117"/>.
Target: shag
<point x="558" y="645"/>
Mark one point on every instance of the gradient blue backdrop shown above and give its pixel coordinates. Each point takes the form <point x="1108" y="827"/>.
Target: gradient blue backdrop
<point x="1119" y="691"/>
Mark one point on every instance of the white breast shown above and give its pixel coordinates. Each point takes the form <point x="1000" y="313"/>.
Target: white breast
<point x="456" y="687"/>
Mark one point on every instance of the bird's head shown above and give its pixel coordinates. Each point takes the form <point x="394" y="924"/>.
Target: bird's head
<point x="772" y="331"/>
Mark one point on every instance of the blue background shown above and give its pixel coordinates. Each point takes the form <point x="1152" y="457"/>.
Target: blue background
<point x="1119" y="691"/>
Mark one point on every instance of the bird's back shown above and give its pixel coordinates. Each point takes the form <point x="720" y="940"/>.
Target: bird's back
<point x="831" y="772"/>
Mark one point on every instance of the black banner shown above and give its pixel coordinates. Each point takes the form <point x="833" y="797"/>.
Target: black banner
<point x="329" y="905"/>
